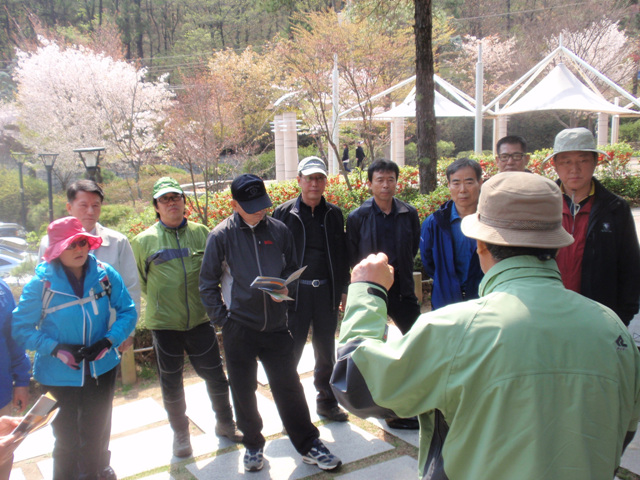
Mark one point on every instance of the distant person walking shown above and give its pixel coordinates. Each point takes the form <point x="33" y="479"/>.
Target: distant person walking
<point x="360" y="156"/>
<point x="345" y="158"/>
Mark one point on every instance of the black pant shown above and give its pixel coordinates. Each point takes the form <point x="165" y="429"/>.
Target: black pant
<point x="404" y="311"/>
<point x="315" y="310"/>
<point x="242" y="345"/>
<point x="201" y="345"/>
<point x="82" y="428"/>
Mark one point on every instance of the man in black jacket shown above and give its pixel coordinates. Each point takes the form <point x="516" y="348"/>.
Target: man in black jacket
<point x="603" y="262"/>
<point x="254" y="324"/>
<point x="318" y="232"/>
<point x="385" y="224"/>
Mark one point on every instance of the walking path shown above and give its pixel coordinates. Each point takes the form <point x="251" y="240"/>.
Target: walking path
<point x="141" y="441"/>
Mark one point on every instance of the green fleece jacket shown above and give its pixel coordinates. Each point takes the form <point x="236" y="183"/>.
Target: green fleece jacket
<point x="168" y="261"/>
<point x="533" y="380"/>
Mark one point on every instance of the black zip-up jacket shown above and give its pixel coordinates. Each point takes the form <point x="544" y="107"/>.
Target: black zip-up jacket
<point x="611" y="259"/>
<point x="362" y="241"/>
<point x="235" y="255"/>
<point x="334" y="240"/>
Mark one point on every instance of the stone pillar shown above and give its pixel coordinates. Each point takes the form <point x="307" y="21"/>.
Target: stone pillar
<point x="290" y="146"/>
<point x="278" y="130"/>
<point x="603" y="128"/>
<point x="397" y="141"/>
<point x="615" y="123"/>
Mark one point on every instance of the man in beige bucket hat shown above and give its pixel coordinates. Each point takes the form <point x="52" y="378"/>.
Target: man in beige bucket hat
<point x="604" y="261"/>
<point x="531" y="377"/>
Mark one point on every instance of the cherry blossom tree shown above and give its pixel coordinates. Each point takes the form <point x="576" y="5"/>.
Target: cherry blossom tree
<point x="202" y="125"/>
<point x="71" y="97"/>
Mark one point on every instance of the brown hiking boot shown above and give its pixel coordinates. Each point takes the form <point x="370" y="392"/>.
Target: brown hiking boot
<point x="228" y="429"/>
<point x="182" y="444"/>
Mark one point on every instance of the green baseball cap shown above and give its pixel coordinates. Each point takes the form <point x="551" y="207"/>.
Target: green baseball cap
<point x="166" y="185"/>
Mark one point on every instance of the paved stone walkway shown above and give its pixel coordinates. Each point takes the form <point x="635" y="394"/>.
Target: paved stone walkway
<point x="141" y="444"/>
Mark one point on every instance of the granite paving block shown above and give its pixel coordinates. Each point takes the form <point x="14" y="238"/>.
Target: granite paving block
<point x="399" y="468"/>
<point x="147" y="450"/>
<point x="409" y="436"/>
<point x="128" y="416"/>
<point x="307" y="364"/>
<point x="346" y="440"/>
<point x="199" y="408"/>
<point x="136" y="414"/>
<point x="36" y="444"/>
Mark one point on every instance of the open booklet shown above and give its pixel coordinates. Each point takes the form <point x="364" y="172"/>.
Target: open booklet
<point x="40" y="415"/>
<point x="271" y="284"/>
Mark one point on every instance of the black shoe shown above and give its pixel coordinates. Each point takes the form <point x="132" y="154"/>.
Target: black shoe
<point x="107" y="474"/>
<point x="333" y="413"/>
<point x="403" y="423"/>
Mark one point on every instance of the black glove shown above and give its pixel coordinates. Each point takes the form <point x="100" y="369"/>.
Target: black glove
<point x="70" y="355"/>
<point x="97" y="350"/>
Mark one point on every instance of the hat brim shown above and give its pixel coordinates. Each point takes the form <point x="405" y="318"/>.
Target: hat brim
<point x="556" y="238"/>
<point x="312" y="170"/>
<point x="594" y="150"/>
<point x="166" y="190"/>
<point x="54" y="251"/>
<point x="255" y="205"/>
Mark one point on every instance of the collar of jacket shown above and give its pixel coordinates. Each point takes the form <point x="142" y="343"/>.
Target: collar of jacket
<point x="398" y="206"/>
<point x="515" y="268"/>
<point x="296" y="207"/>
<point x="99" y="231"/>
<point x="173" y="229"/>
<point x="54" y="273"/>
<point x="237" y="219"/>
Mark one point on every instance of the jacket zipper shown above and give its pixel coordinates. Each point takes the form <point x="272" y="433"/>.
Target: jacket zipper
<point x="264" y="295"/>
<point x="186" y="289"/>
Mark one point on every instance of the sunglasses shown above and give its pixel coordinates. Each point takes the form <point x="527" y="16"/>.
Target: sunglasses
<point x="79" y="243"/>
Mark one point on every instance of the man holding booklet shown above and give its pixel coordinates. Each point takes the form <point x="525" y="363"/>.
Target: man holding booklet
<point x="246" y="245"/>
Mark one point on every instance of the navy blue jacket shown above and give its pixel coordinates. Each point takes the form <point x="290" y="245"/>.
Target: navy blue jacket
<point x="438" y="259"/>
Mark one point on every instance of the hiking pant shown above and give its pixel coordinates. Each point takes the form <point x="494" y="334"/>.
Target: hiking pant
<point x="242" y="345"/>
<point x="82" y="428"/>
<point x="315" y="311"/>
<point x="201" y="345"/>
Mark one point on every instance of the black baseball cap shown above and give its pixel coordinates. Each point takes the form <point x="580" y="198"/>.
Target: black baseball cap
<point x="249" y="191"/>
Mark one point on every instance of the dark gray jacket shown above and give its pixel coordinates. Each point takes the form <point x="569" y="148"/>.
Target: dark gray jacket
<point x="235" y="255"/>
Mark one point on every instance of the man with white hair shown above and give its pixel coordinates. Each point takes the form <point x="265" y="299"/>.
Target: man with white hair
<point x="530" y="380"/>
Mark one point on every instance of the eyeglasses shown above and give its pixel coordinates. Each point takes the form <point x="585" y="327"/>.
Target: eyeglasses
<point x="170" y="199"/>
<point x="504" y="157"/>
<point x="79" y="243"/>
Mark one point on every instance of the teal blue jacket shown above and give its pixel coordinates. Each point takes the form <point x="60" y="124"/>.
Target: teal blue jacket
<point x="79" y="324"/>
<point x="533" y="380"/>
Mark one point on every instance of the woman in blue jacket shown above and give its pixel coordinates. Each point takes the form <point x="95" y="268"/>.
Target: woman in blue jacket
<point x="63" y="315"/>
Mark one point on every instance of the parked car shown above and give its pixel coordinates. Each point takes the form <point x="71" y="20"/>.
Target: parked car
<point x="12" y="230"/>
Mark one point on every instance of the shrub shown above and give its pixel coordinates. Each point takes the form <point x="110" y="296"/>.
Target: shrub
<point x="112" y="215"/>
<point x="10" y="208"/>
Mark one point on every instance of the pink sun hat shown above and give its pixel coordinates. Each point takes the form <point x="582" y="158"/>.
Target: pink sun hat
<point x="63" y="232"/>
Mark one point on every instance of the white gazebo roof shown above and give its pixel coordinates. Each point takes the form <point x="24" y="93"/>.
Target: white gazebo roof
<point x="443" y="107"/>
<point x="562" y="90"/>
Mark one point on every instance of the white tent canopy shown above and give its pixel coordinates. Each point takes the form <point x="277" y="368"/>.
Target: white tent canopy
<point x="561" y="90"/>
<point x="443" y="107"/>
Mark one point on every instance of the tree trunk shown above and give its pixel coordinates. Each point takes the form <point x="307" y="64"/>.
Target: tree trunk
<point x="425" y="112"/>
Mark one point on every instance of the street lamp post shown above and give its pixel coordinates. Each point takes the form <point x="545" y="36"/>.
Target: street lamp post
<point x="90" y="160"/>
<point x="49" y="159"/>
<point x="20" y="158"/>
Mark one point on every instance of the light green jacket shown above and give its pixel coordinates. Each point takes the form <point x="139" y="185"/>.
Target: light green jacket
<point x="168" y="261"/>
<point x="535" y="381"/>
